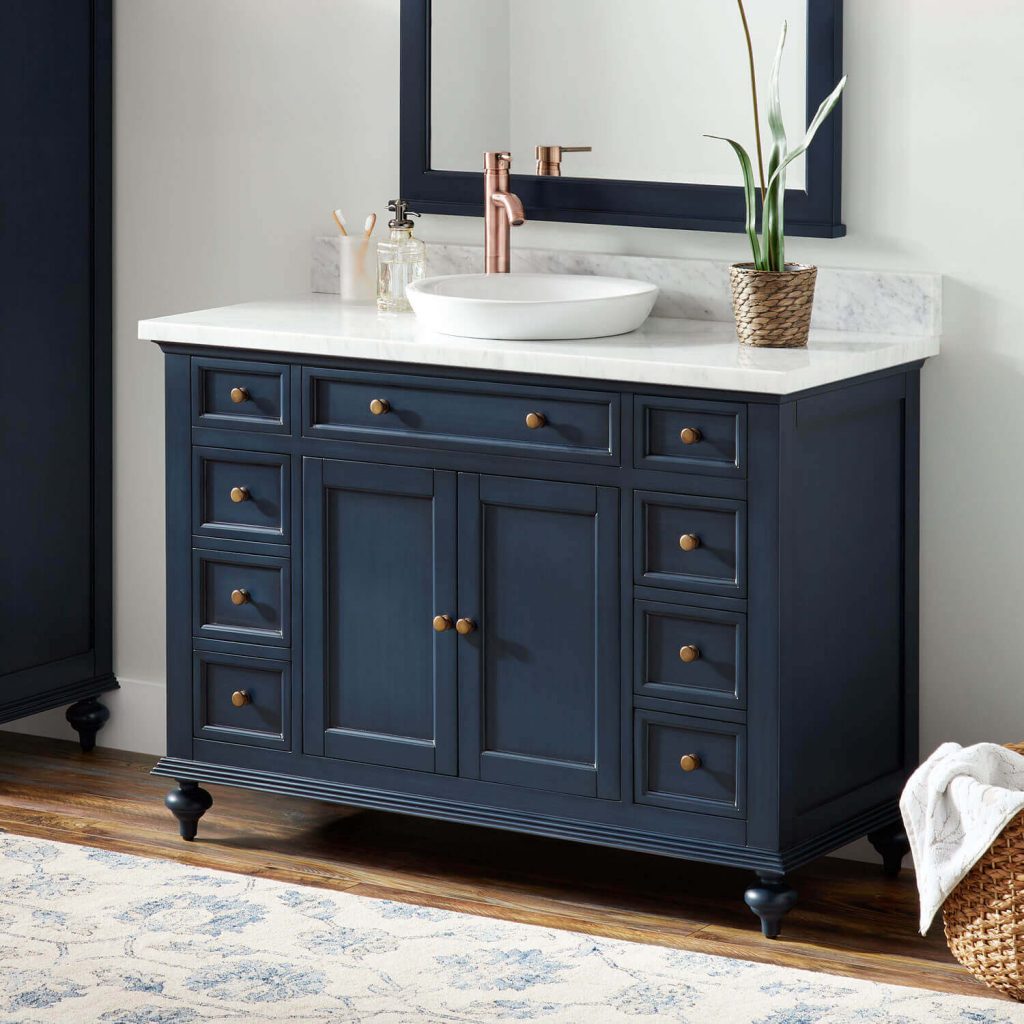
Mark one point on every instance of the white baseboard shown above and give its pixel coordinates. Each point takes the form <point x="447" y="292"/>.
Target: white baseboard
<point x="138" y="720"/>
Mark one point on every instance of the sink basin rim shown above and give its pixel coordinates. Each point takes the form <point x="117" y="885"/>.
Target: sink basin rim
<point x="531" y="307"/>
<point x="428" y="286"/>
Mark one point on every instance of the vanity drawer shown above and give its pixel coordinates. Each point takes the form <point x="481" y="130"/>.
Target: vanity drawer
<point x="696" y="655"/>
<point x="240" y="495"/>
<point x="466" y="415"/>
<point x="240" y="597"/>
<point x="241" y="700"/>
<point x="235" y="395"/>
<point x="690" y="437"/>
<point x="665" y="746"/>
<point x="690" y="543"/>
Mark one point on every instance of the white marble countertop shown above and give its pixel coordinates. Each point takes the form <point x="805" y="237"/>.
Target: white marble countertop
<point x="679" y="353"/>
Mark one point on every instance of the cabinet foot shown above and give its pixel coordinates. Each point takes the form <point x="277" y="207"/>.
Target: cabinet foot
<point x="892" y="845"/>
<point x="87" y="717"/>
<point x="188" y="803"/>
<point x="771" y="899"/>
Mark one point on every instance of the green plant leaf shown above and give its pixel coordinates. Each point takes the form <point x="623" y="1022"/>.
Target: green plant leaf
<point x="812" y="129"/>
<point x="774" y="226"/>
<point x="750" y="193"/>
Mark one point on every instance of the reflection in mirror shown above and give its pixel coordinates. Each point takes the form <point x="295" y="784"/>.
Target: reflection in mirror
<point x="638" y="81"/>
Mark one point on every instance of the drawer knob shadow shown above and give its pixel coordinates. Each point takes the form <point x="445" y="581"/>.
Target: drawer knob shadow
<point x="241" y="596"/>
<point x="536" y="420"/>
<point x="239" y="395"/>
<point x="240" y="698"/>
<point x="688" y="653"/>
<point x="239" y="494"/>
<point x="689" y="762"/>
<point x="689" y="542"/>
<point x="380" y="406"/>
<point x="691" y="435"/>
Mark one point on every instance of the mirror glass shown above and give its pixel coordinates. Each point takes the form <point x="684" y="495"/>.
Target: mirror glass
<point x="639" y="81"/>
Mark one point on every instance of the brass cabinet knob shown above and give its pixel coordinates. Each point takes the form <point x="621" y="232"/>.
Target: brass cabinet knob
<point x="239" y="494"/>
<point x="239" y="395"/>
<point x="689" y="542"/>
<point x="689" y="762"/>
<point x="240" y="698"/>
<point x="535" y="420"/>
<point x="464" y="627"/>
<point x="379" y="406"/>
<point x="240" y="597"/>
<point x="442" y="623"/>
<point x="689" y="653"/>
<point x="690" y="435"/>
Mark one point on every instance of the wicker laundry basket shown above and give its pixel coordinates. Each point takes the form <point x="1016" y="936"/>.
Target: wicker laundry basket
<point x="984" y="914"/>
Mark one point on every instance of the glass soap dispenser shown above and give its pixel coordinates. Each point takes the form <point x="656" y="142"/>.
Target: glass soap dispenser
<point x="401" y="260"/>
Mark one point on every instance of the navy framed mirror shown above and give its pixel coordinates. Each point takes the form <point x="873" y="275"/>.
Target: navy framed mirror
<point x="628" y="91"/>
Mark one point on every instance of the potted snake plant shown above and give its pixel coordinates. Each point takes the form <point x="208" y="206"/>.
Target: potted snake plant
<point x="771" y="298"/>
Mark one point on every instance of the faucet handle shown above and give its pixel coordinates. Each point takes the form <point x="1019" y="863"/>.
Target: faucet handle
<point x="498" y="161"/>
<point x="549" y="158"/>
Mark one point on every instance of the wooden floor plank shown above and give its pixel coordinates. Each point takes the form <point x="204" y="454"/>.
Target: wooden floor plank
<point x="851" y="920"/>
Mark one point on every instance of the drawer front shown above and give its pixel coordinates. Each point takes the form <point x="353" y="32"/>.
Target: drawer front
<point x="717" y="782"/>
<point x="574" y="425"/>
<point x="690" y="437"/>
<point x="236" y="395"/>
<point x="241" y="700"/>
<point x="696" y="655"/>
<point x="240" y="495"/>
<point x="714" y="530"/>
<point x="240" y="597"/>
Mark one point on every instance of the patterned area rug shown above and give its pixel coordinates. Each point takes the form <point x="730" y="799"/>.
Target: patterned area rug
<point x="87" y="935"/>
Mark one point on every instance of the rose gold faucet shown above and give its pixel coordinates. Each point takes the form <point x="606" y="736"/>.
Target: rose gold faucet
<point x="502" y="211"/>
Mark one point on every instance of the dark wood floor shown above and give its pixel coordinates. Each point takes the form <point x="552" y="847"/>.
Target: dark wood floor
<point x="850" y="919"/>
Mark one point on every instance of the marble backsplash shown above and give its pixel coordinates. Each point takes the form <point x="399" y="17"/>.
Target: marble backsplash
<point x="886" y="302"/>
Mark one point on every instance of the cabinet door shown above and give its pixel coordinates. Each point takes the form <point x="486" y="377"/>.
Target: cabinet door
<point x="378" y="565"/>
<point x="539" y="675"/>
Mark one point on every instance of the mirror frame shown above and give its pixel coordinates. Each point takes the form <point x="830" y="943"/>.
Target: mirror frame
<point x="814" y="211"/>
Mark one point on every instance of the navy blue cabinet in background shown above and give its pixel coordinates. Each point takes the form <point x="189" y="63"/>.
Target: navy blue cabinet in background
<point x="676" y="621"/>
<point x="55" y="335"/>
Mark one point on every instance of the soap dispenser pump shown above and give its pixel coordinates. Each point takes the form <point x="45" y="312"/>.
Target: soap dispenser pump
<point x="401" y="259"/>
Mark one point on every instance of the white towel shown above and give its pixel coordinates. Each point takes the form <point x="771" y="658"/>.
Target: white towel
<point x="954" y="806"/>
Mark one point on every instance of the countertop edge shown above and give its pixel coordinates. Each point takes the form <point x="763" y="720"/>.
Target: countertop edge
<point x="570" y="364"/>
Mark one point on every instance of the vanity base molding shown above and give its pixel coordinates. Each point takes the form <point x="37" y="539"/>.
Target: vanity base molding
<point x="667" y="620"/>
<point x="594" y="833"/>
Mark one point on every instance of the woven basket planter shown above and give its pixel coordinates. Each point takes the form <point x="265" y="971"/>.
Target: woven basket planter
<point x="984" y="914"/>
<point x="772" y="309"/>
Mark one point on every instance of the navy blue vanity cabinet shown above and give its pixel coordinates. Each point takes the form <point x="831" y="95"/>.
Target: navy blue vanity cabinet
<point x="665" y="620"/>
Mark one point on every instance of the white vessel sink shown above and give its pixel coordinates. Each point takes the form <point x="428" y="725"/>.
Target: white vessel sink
<point x="531" y="307"/>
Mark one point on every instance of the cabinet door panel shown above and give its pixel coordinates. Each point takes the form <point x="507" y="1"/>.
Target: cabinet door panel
<point x="538" y="573"/>
<point x="379" y="564"/>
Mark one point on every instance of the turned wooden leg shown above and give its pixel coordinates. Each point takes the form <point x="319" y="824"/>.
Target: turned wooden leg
<point x="188" y="803"/>
<point x="86" y="717"/>
<point x="771" y="899"/>
<point x="892" y="845"/>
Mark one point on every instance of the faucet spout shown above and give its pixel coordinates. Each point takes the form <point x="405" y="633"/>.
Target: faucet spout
<point x="502" y="211"/>
<point x="511" y="205"/>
